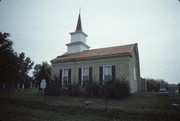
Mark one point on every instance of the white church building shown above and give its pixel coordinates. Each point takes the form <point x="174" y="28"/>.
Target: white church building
<point x="81" y="64"/>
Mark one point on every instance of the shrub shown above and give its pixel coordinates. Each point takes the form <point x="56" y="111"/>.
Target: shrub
<point x="53" y="89"/>
<point x="92" y="89"/>
<point x="71" y="90"/>
<point x="116" y="88"/>
<point x="110" y="89"/>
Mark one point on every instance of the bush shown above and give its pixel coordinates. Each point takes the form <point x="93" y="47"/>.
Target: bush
<point x="92" y="89"/>
<point x="116" y="88"/>
<point x="70" y="90"/>
<point x="73" y="90"/>
<point x="53" y="89"/>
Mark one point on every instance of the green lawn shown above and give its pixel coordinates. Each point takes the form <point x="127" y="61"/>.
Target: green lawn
<point x="29" y="106"/>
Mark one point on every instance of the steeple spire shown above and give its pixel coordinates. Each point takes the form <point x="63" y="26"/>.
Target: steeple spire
<point x="78" y="39"/>
<point x="79" y="26"/>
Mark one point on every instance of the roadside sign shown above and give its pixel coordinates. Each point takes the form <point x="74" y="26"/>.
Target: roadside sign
<point x="43" y="83"/>
<point x="43" y="86"/>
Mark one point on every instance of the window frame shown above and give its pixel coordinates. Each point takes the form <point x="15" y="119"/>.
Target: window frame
<point x="82" y="74"/>
<point x="104" y="72"/>
<point x="63" y="76"/>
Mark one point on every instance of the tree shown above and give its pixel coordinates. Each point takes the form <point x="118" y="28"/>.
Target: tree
<point x="152" y="85"/>
<point x="7" y="59"/>
<point x="14" y="68"/>
<point x="42" y="71"/>
<point x="24" y="65"/>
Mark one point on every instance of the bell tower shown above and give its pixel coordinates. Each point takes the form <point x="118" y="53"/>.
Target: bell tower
<point x="78" y="39"/>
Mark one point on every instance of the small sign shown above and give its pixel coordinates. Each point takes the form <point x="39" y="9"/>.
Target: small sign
<point x="43" y="83"/>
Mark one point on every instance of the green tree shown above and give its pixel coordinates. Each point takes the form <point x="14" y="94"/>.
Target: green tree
<point x="42" y="71"/>
<point x="152" y="85"/>
<point x="24" y="65"/>
<point x="7" y="59"/>
<point x="13" y="67"/>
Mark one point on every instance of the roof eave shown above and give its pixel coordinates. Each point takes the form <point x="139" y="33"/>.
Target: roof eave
<point x="127" y="54"/>
<point x="77" y="32"/>
<point x="77" y="43"/>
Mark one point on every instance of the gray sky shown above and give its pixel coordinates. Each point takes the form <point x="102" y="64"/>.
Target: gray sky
<point x="40" y="28"/>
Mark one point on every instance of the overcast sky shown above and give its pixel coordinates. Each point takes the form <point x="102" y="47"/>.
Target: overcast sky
<point x="40" y="28"/>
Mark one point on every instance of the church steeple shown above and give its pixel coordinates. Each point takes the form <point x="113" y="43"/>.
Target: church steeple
<point x="78" y="39"/>
<point x="79" y="26"/>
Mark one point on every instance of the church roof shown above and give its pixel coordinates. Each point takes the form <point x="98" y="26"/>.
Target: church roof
<point x="95" y="53"/>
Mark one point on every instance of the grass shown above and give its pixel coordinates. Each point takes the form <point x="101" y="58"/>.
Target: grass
<point x="29" y="106"/>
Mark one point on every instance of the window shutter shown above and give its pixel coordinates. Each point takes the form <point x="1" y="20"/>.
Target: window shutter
<point x="79" y="76"/>
<point x="60" y="77"/>
<point x="90" y="74"/>
<point x="113" y="73"/>
<point x="100" y="75"/>
<point x="69" y="77"/>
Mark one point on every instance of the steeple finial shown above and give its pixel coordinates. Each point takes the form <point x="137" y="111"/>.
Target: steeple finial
<point x="79" y="10"/>
<point x="79" y="27"/>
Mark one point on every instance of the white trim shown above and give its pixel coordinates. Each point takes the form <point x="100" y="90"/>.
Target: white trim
<point x="78" y="43"/>
<point x="78" y="32"/>
<point x="134" y="71"/>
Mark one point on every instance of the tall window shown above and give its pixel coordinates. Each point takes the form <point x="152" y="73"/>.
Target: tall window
<point x="65" y="76"/>
<point x="85" y="75"/>
<point x="107" y="72"/>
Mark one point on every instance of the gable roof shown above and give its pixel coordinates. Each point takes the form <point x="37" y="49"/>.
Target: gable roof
<point x="124" y="49"/>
